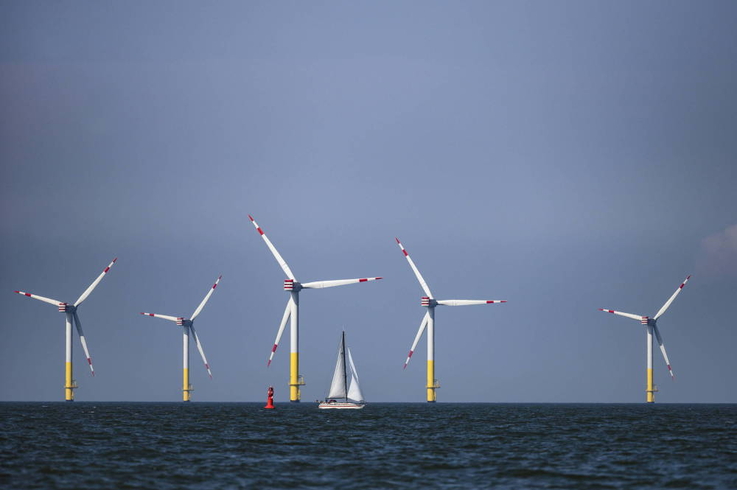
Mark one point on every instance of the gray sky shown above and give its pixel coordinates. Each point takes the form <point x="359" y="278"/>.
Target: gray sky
<point x="562" y="156"/>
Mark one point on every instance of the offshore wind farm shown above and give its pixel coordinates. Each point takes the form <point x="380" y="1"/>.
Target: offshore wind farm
<point x="524" y="205"/>
<point x="291" y="316"/>
<point x="564" y="157"/>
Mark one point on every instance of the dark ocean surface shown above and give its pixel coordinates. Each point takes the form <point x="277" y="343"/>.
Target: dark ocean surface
<point x="86" y="445"/>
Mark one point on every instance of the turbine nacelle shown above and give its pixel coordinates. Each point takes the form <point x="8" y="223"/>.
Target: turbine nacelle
<point x="183" y="322"/>
<point x="292" y="285"/>
<point x="646" y="320"/>
<point x="67" y="308"/>
<point x="428" y="302"/>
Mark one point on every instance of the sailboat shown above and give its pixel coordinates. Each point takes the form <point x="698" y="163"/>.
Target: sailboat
<point x="344" y="395"/>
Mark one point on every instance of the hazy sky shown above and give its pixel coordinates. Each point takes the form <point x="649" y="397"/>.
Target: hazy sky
<point x="564" y="156"/>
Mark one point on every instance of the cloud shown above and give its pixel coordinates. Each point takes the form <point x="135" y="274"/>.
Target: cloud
<point x="718" y="254"/>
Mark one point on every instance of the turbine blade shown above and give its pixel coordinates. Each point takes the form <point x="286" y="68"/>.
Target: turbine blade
<point x="94" y="284"/>
<point x="204" y="301"/>
<point x="165" y="317"/>
<point x="287" y="312"/>
<point x="83" y="341"/>
<point x="423" y="324"/>
<point x="628" y="315"/>
<point x="282" y="262"/>
<point x="662" y="349"/>
<point x="338" y="282"/>
<point x="199" y="348"/>
<point x="41" y="298"/>
<point x="468" y="302"/>
<point x="670" y="300"/>
<point x="414" y="268"/>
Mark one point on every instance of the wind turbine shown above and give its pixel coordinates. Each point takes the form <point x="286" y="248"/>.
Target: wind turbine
<point x="428" y="321"/>
<point x="188" y="324"/>
<point x="291" y="312"/>
<point x="71" y="315"/>
<point x="652" y="327"/>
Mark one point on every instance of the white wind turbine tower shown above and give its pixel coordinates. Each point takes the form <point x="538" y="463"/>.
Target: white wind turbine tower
<point x="652" y="327"/>
<point x="291" y="312"/>
<point x="188" y="328"/>
<point x="428" y="321"/>
<point x="70" y="312"/>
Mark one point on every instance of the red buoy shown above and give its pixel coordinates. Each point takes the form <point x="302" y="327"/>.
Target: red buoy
<point x="270" y="398"/>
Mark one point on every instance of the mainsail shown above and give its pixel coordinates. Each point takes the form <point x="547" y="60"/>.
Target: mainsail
<point x="337" y="387"/>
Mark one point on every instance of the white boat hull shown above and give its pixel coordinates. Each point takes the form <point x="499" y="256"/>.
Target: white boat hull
<point x="341" y="405"/>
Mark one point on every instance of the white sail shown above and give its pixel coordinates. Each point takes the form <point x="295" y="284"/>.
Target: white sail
<point x="337" y="387"/>
<point x="354" y="392"/>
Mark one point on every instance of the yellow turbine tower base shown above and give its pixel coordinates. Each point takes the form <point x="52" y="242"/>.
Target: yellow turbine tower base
<point x="295" y="380"/>
<point x="651" y="389"/>
<point x="69" y="385"/>
<point x="186" y="387"/>
<point x="432" y="383"/>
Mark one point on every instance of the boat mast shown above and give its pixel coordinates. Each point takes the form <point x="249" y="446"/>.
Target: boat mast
<point x="345" y="375"/>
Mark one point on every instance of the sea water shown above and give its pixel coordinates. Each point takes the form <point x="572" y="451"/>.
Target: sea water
<point x="86" y="445"/>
